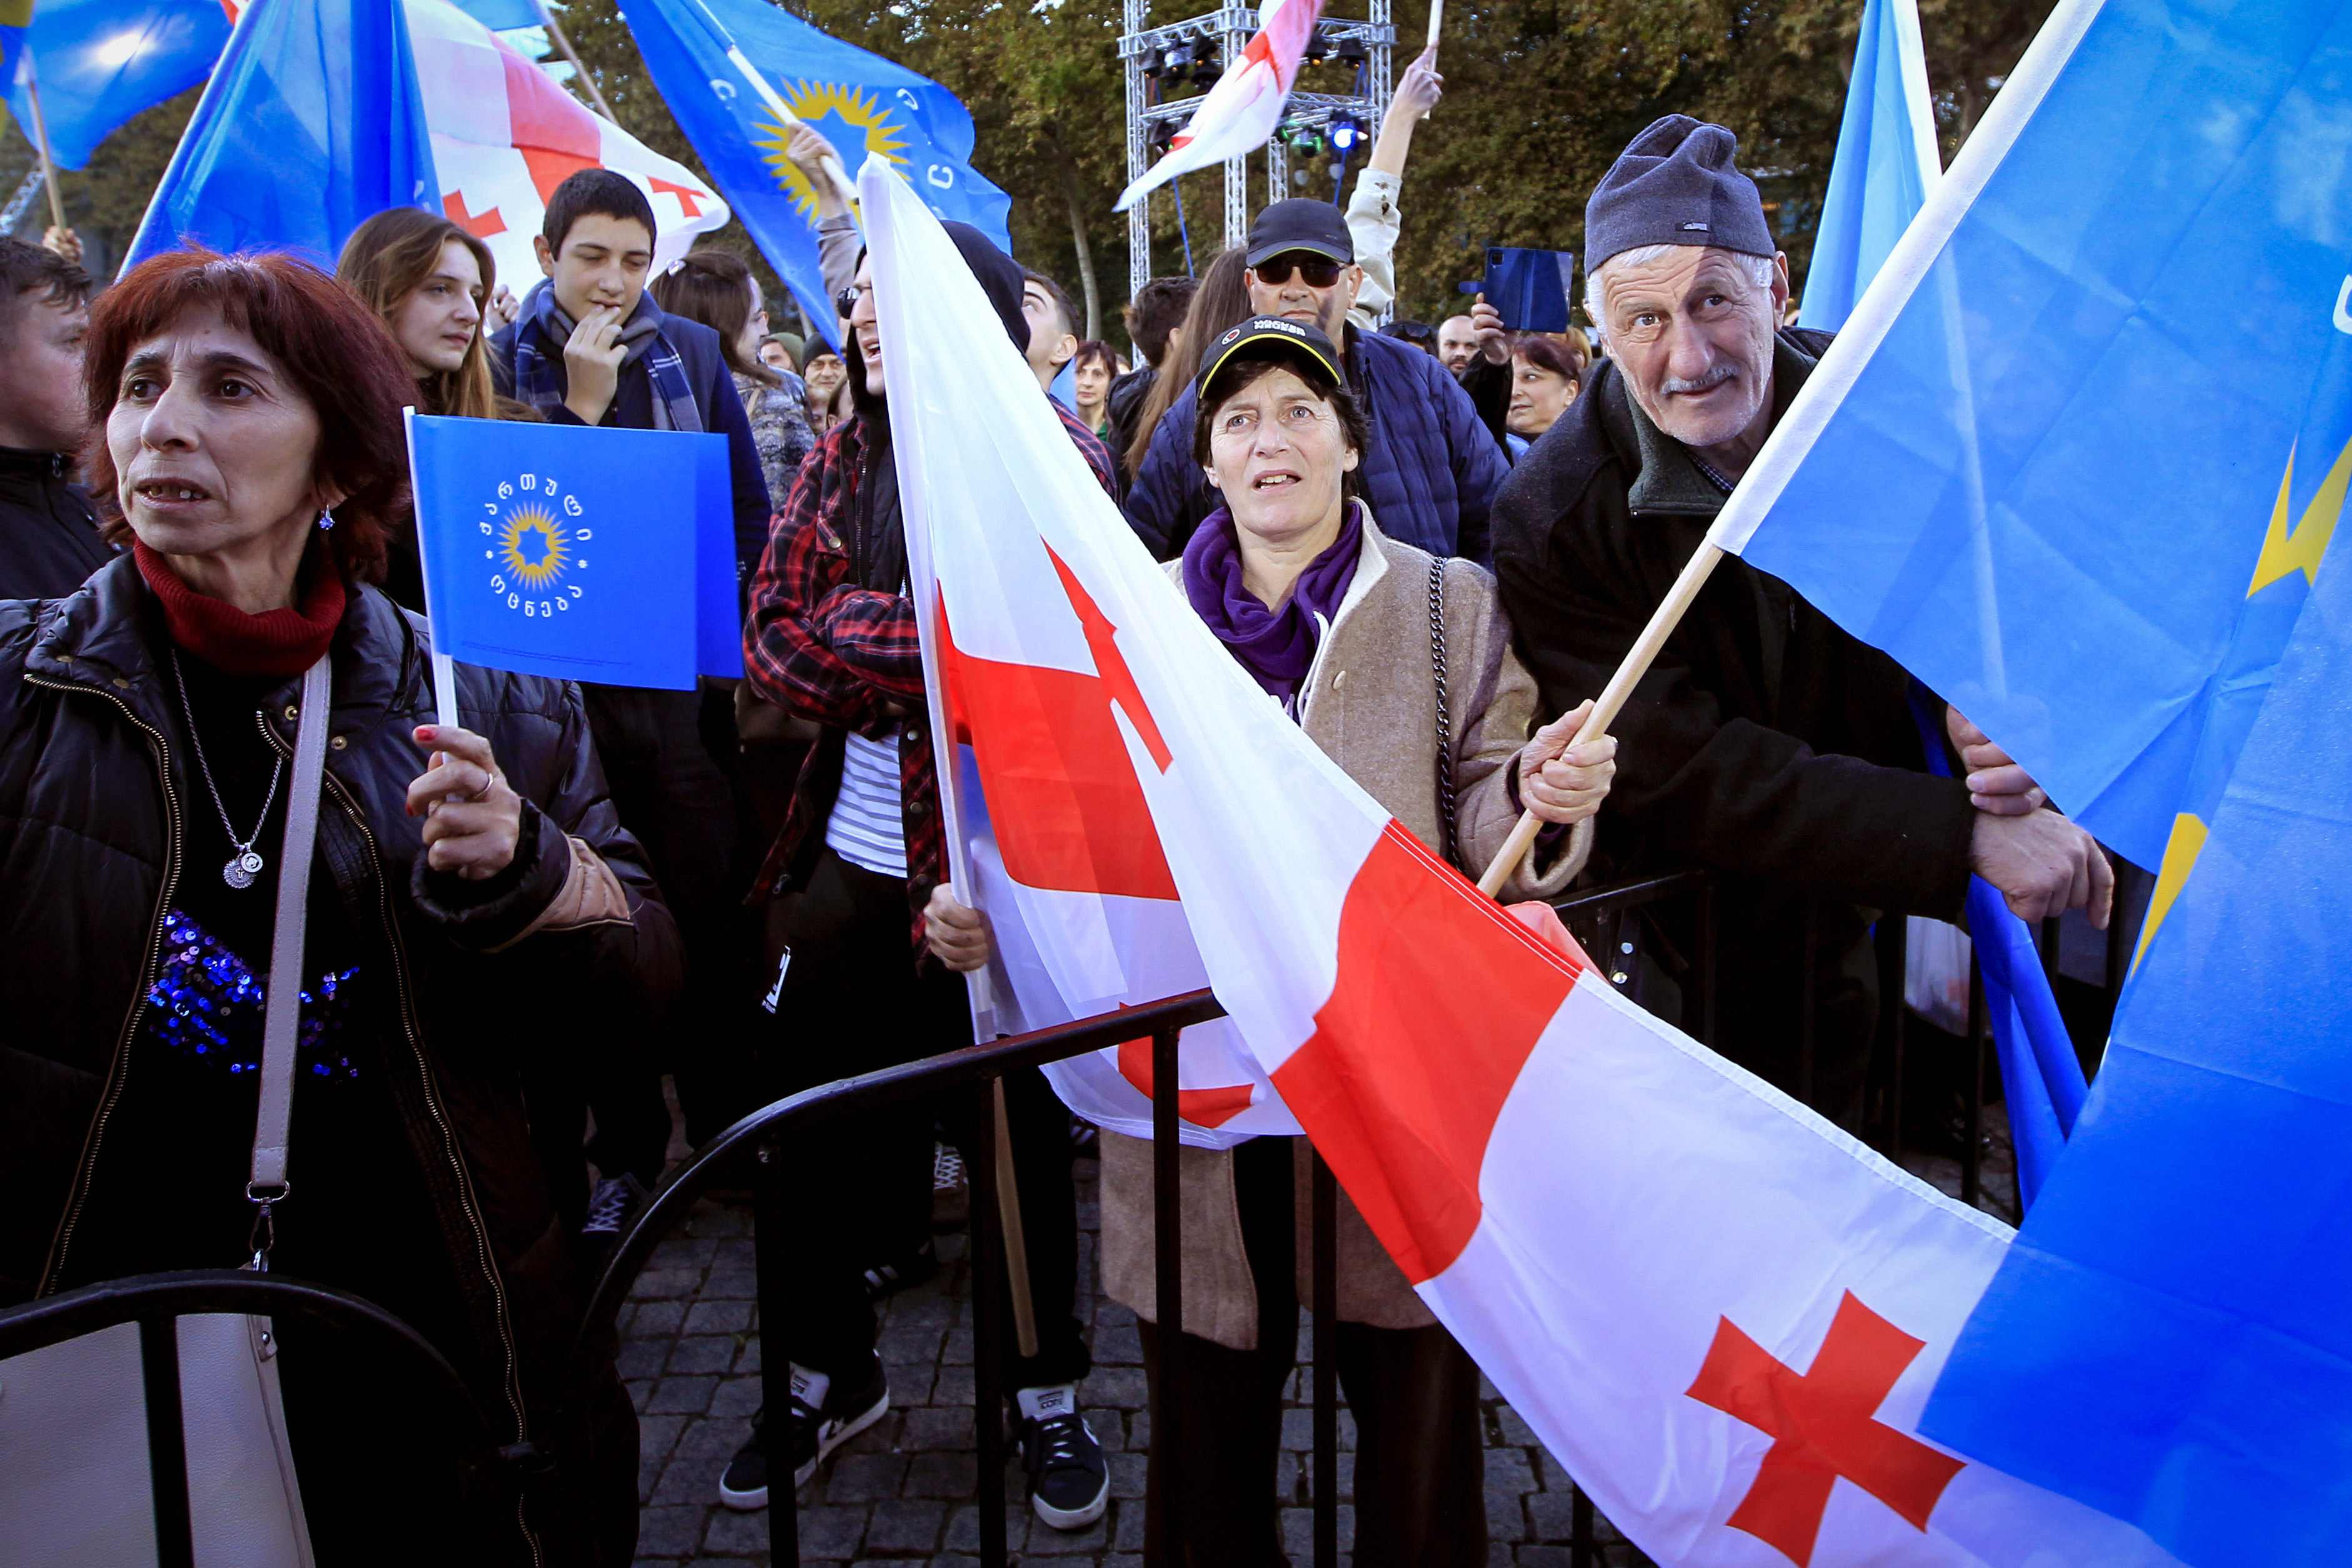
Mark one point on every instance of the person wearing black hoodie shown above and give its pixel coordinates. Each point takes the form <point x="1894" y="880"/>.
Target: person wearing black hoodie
<point x="832" y="637"/>
<point x="49" y="529"/>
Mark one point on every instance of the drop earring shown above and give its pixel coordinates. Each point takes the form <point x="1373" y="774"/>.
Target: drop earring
<point x="326" y="518"/>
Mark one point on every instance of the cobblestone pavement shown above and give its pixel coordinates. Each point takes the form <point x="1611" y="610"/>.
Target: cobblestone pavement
<point x="903" y="1490"/>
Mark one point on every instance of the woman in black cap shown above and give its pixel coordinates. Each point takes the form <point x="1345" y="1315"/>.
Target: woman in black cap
<point x="1356" y="636"/>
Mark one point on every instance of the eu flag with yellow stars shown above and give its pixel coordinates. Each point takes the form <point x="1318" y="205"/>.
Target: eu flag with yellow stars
<point x="2076" y="461"/>
<point x="719" y="63"/>
<point x="578" y="552"/>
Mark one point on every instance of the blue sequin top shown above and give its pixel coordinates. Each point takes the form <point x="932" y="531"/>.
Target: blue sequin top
<point x="207" y="1004"/>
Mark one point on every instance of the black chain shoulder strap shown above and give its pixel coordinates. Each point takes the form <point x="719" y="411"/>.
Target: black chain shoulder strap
<point x="1445" y="718"/>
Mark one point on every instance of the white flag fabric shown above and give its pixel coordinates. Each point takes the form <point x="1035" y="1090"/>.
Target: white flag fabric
<point x="505" y="134"/>
<point x="1721" y="1314"/>
<point x="1242" y="110"/>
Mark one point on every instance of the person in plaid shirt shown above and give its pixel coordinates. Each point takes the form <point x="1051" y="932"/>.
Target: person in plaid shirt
<point x="832" y="638"/>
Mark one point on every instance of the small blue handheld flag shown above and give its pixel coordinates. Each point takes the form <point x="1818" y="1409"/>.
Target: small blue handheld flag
<point x="577" y="553"/>
<point x="698" y="50"/>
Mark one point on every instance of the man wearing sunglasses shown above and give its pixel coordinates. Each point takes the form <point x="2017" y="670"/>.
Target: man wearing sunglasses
<point x="1431" y="469"/>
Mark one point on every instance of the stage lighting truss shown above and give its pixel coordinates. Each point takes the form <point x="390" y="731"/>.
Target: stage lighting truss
<point x="1168" y="68"/>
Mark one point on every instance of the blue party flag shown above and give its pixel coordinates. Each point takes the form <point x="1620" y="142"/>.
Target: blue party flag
<point x="2074" y="461"/>
<point x="2167" y="1339"/>
<point x="577" y="553"/>
<point x="716" y="61"/>
<point x="503" y="16"/>
<point x="99" y="62"/>
<point x="16" y="17"/>
<point x="1886" y="163"/>
<point x="311" y="125"/>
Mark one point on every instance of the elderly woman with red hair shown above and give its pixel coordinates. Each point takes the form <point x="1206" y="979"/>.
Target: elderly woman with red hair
<point x="465" y="878"/>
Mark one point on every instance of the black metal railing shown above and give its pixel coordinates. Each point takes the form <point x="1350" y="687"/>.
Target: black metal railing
<point x="156" y="1302"/>
<point x="153" y="1302"/>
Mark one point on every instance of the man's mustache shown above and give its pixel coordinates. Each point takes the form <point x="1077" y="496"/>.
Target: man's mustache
<point x="1714" y="378"/>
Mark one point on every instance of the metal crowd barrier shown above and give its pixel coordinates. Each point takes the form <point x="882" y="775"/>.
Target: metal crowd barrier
<point x="154" y="1301"/>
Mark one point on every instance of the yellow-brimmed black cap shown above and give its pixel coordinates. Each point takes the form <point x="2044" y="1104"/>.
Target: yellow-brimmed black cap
<point x="1260" y="336"/>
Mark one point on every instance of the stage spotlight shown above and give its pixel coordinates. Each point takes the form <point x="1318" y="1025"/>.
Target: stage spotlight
<point x="1351" y="51"/>
<point x="1208" y="69"/>
<point x="1345" y="134"/>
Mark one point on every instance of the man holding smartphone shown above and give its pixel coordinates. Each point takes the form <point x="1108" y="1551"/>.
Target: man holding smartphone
<point x="1431" y="473"/>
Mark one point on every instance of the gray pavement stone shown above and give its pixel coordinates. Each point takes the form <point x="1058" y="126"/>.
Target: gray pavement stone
<point x="904" y="1491"/>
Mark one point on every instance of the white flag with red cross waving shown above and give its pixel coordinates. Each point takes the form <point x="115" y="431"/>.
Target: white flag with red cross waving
<point x="1242" y="110"/>
<point x="505" y="134"/>
<point x="1720" y="1313"/>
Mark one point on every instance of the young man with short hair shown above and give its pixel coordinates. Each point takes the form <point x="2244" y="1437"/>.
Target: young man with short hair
<point x="48" y="530"/>
<point x="1155" y="325"/>
<point x="1052" y="326"/>
<point x="591" y="347"/>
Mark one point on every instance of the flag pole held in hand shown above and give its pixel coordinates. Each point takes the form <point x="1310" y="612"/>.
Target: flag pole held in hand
<point x="1636" y="664"/>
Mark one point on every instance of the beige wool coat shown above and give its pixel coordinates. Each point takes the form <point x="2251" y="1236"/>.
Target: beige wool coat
<point x="1371" y="703"/>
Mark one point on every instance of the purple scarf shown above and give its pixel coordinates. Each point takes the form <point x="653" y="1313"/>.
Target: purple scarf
<point x="1275" y="646"/>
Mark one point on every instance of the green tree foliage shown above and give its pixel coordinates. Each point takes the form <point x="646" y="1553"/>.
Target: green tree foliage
<point x="1540" y="97"/>
<point x="104" y="201"/>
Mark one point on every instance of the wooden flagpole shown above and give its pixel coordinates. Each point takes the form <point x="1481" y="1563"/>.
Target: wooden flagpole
<point x="1644" y="652"/>
<point x="41" y="140"/>
<point x="555" y="35"/>
<point x="1016" y="1241"/>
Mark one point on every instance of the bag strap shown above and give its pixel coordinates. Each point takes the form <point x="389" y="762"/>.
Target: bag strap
<point x="1445" y="719"/>
<point x="281" y="1016"/>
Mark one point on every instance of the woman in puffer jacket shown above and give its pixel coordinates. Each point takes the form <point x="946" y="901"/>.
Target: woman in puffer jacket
<point x="469" y="884"/>
<point x="1333" y="620"/>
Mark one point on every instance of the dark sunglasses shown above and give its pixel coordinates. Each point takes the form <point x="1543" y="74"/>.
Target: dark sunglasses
<point x="846" y="300"/>
<point x="1317" y="273"/>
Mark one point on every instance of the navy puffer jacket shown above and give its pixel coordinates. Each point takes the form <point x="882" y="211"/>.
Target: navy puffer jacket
<point x="1430" y="475"/>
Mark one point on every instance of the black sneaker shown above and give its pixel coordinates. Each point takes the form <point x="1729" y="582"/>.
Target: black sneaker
<point x="1069" y="1479"/>
<point x="951" y="1189"/>
<point x="907" y="1269"/>
<point x="610" y="1206"/>
<point x="814" y="1431"/>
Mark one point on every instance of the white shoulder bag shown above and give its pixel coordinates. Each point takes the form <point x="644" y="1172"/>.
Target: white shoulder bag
<point x="75" y="1489"/>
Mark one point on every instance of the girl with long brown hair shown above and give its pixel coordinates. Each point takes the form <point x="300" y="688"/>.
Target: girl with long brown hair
<point x="430" y="282"/>
<point x="715" y="288"/>
<point x="1221" y="300"/>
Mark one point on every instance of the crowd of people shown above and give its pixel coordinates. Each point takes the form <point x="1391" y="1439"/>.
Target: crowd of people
<point x="518" y="926"/>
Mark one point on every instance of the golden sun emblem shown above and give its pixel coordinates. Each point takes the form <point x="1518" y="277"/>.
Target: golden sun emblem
<point x="812" y="101"/>
<point x="535" y="545"/>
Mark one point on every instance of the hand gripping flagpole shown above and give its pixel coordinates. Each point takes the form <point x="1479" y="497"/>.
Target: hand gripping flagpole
<point x="834" y="170"/>
<point x="1662" y="621"/>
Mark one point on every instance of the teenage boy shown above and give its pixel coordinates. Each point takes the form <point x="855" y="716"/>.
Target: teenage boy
<point x="591" y="347"/>
<point x="1052" y="327"/>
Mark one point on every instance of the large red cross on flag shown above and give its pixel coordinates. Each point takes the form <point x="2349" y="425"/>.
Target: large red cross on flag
<point x="1585" y="1196"/>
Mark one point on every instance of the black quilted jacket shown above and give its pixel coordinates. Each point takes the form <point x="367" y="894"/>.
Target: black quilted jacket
<point x="95" y="790"/>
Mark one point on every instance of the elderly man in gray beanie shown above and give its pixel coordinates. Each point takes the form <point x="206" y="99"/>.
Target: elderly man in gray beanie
<point x="1765" y="743"/>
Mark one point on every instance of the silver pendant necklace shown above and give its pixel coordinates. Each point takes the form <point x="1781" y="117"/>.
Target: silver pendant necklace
<point x="246" y="863"/>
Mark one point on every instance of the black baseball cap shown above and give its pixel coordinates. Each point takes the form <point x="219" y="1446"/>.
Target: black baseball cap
<point x="1301" y="223"/>
<point x="1304" y="346"/>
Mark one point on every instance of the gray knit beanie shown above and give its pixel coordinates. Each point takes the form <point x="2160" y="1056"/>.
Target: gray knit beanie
<point x="1674" y="184"/>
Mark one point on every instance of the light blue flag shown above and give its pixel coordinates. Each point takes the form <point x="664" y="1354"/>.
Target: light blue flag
<point x="1886" y="163"/>
<point x="2074" y="462"/>
<point x="503" y="16"/>
<point x="577" y="553"/>
<point x="99" y="62"/>
<point x="2074" y="472"/>
<point x="2168" y="1339"/>
<point x="715" y="61"/>
<point x="310" y="126"/>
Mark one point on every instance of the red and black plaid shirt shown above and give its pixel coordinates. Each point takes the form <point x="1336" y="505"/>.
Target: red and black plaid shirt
<point x="820" y="646"/>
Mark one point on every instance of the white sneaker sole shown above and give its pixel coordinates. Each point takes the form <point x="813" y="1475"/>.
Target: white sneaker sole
<point x="753" y="1501"/>
<point x="850" y="1429"/>
<point x="1072" y="1519"/>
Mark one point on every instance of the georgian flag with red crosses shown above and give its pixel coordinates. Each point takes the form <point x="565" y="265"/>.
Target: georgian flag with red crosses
<point x="505" y="134"/>
<point x="1720" y="1313"/>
